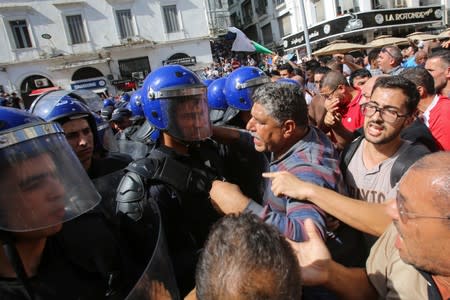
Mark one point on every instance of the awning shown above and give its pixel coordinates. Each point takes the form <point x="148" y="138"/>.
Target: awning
<point x="97" y="91"/>
<point x="77" y="64"/>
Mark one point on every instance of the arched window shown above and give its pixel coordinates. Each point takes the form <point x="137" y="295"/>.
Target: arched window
<point x="86" y="73"/>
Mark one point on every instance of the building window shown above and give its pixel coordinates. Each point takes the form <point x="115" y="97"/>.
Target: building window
<point x="279" y="2"/>
<point x="76" y="29"/>
<point x="129" y="66"/>
<point x="171" y="18"/>
<point x="21" y="35"/>
<point x="124" y="20"/>
<point x="284" y="24"/>
<point x="267" y="34"/>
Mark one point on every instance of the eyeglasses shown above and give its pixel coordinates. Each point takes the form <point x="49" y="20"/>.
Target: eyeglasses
<point x="387" y="114"/>
<point x="405" y="215"/>
<point x="385" y="50"/>
<point x="327" y="96"/>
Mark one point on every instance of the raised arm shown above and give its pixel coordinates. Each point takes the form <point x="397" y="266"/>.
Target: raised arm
<point x="318" y="268"/>
<point x="371" y="218"/>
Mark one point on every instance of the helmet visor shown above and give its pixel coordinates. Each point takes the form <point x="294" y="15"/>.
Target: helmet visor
<point x="42" y="181"/>
<point x="188" y="117"/>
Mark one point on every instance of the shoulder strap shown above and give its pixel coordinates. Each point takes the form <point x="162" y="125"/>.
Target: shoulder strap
<point x="414" y="152"/>
<point x="348" y="153"/>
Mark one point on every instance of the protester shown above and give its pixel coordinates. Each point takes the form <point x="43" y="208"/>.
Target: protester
<point x="390" y="59"/>
<point x="265" y="267"/>
<point x="421" y="214"/>
<point x="279" y="125"/>
<point x="369" y="166"/>
<point x="342" y="103"/>
<point x="433" y="109"/>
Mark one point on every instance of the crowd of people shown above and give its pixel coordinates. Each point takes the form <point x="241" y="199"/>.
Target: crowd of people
<point x="260" y="178"/>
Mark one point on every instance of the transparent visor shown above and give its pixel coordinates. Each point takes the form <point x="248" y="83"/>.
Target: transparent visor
<point x="187" y="117"/>
<point x="43" y="184"/>
<point x="107" y="138"/>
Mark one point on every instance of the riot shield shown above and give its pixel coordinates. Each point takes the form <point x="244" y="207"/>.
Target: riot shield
<point x="158" y="280"/>
<point x="144" y="240"/>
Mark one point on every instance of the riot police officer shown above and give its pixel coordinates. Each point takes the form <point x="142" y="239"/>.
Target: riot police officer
<point x="80" y="128"/>
<point x="53" y="249"/>
<point x="179" y="170"/>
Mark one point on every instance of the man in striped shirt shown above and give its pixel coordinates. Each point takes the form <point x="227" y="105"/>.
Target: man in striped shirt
<point x="279" y="125"/>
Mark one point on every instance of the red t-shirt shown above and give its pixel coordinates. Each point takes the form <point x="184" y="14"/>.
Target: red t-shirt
<point x="352" y="118"/>
<point x="437" y="119"/>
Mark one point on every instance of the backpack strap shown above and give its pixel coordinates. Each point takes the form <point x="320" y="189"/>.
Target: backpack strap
<point x="347" y="154"/>
<point x="414" y="152"/>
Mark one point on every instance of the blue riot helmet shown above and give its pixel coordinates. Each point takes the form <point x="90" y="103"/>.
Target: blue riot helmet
<point x="65" y="109"/>
<point x="43" y="183"/>
<point x="240" y="85"/>
<point x="135" y="105"/>
<point x="125" y="97"/>
<point x="108" y="102"/>
<point x="174" y="101"/>
<point x="216" y="100"/>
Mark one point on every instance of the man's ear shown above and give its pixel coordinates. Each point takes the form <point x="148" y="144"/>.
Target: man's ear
<point x="408" y="121"/>
<point x="288" y="128"/>
<point x="421" y="91"/>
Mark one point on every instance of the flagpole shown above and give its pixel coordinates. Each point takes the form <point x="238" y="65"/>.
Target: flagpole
<point x="305" y="28"/>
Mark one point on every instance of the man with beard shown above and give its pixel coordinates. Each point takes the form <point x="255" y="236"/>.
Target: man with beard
<point x="368" y="173"/>
<point x="419" y="237"/>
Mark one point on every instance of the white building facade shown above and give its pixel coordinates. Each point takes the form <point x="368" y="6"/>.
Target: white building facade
<point x="103" y="45"/>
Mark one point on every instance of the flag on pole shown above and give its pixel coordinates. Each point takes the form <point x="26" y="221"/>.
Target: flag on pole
<point x="243" y="44"/>
<point x="261" y="49"/>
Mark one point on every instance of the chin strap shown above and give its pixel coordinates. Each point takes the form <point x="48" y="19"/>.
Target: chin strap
<point x="14" y="259"/>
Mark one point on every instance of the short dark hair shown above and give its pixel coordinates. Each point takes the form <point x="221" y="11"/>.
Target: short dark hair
<point x="363" y="72"/>
<point x="283" y="102"/>
<point x="311" y="65"/>
<point x="287" y="67"/>
<point x="443" y="54"/>
<point x="399" y="82"/>
<point x="321" y="70"/>
<point x="420" y="77"/>
<point x="245" y="258"/>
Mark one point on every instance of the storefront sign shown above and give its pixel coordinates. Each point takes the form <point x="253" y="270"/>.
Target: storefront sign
<point x="185" y="61"/>
<point x="366" y="20"/>
<point x="88" y="84"/>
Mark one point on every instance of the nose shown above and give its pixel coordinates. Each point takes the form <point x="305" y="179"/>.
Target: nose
<point x="83" y="141"/>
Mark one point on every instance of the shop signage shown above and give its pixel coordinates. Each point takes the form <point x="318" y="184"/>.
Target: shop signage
<point x="88" y="84"/>
<point x="357" y="22"/>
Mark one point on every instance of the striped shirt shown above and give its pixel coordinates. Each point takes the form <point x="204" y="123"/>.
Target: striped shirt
<point x="312" y="159"/>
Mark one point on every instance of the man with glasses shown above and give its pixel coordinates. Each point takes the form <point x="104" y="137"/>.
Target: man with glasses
<point x="390" y="59"/>
<point x="368" y="169"/>
<point x="418" y="241"/>
<point x="342" y="103"/>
